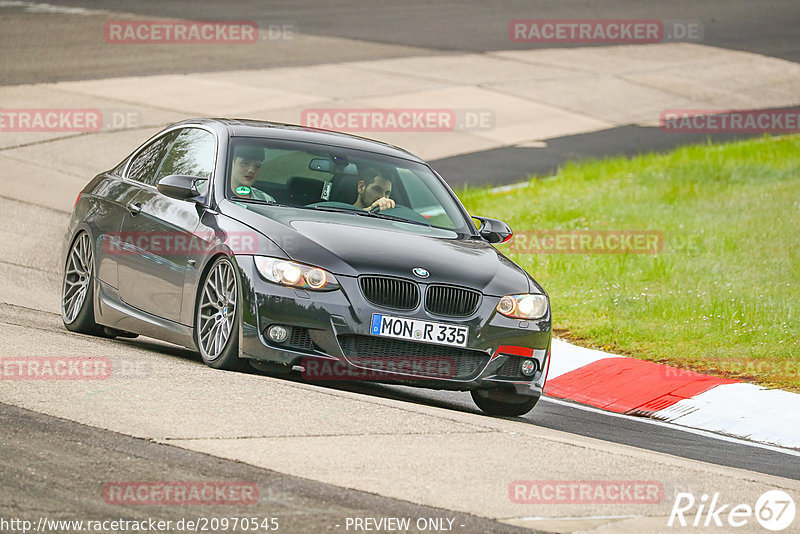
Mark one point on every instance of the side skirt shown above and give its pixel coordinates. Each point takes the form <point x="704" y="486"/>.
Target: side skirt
<point x="111" y="311"/>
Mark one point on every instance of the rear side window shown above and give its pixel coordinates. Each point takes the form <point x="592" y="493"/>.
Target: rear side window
<point x="144" y="165"/>
<point x="192" y="154"/>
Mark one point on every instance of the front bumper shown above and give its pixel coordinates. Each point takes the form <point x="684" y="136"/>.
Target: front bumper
<point x="331" y="330"/>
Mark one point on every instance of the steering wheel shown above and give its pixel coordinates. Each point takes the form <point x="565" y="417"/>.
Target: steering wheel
<point x="376" y="209"/>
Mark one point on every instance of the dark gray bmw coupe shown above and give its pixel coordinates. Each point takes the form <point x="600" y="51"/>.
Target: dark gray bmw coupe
<point x="294" y="249"/>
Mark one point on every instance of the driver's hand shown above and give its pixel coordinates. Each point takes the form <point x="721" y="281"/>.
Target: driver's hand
<point x="382" y="203"/>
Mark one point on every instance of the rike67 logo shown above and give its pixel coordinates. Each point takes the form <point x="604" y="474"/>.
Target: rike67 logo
<point x="774" y="510"/>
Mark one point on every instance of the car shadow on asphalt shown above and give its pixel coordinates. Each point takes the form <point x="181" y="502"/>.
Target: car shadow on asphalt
<point x="374" y="389"/>
<point x="385" y="391"/>
<point x="162" y="347"/>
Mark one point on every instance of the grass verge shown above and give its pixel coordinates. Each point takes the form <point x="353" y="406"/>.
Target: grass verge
<point x="721" y="295"/>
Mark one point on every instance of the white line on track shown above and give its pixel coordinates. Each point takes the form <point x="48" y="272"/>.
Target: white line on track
<point x="698" y="432"/>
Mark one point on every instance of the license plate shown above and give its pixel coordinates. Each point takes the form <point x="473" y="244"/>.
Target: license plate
<point x="416" y="330"/>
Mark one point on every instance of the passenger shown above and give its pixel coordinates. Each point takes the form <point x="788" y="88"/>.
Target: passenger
<point x="246" y="163"/>
<point x="374" y="190"/>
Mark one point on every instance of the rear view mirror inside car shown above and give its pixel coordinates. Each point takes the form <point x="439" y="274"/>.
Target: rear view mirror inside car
<point x="326" y="165"/>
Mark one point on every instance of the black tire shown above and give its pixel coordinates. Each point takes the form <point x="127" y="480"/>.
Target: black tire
<point x="216" y="330"/>
<point x="77" y="288"/>
<point x="511" y="405"/>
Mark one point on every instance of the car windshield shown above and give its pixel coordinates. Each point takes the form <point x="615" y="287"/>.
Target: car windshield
<point x="326" y="178"/>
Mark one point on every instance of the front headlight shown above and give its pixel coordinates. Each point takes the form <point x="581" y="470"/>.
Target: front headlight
<point x="289" y="273"/>
<point x="523" y="306"/>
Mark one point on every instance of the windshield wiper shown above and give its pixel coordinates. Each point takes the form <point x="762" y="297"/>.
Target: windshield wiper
<point x="365" y="213"/>
<point x="259" y="201"/>
<point x="354" y="211"/>
<point x="393" y="218"/>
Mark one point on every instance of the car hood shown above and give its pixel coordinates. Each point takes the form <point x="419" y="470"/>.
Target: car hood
<point x="352" y="245"/>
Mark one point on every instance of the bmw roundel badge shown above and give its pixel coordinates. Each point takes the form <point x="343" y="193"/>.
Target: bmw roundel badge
<point x="422" y="273"/>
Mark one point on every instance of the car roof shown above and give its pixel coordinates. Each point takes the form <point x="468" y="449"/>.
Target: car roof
<point x="294" y="132"/>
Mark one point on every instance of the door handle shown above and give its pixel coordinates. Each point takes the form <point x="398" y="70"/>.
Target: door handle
<point x="134" y="208"/>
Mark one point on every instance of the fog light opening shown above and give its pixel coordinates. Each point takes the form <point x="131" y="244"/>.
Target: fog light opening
<point x="529" y="367"/>
<point x="277" y="333"/>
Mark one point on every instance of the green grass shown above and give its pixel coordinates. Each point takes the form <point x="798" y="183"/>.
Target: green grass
<point x="721" y="297"/>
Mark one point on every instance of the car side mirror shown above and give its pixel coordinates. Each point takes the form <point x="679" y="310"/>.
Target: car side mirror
<point x="493" y="230"/>
<point x="179" y="186"/>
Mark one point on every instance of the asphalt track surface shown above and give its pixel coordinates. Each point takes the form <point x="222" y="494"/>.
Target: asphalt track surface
<point x="507" y="165"/>
<point x="55" y="492"/>
<point x="81" y="457"/>
<point x="768" y="27"/>
<point x="388" y="29"/>
<point x="625" y="430"/>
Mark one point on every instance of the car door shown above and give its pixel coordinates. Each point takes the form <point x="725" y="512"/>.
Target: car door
<point x="109" y="199"/>
<point x="119" y="193"/>
<point x="159" y="231"/>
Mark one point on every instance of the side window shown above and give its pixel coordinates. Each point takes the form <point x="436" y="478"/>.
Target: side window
<point x="144" y="165"/>
<point x="419" y="196"/>
<point x="423" y="200"/>
<point x="192" y="154"/>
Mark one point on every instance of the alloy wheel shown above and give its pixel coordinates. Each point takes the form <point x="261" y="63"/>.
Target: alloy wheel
<point x="217" y="309"/>
<point x="77" y="277"/>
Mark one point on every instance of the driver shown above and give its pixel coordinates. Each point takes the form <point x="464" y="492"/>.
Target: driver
<point x="373" y="190"/>
<point x="247" y="161"/>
